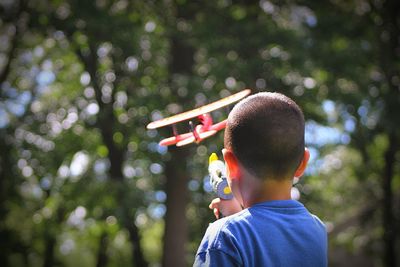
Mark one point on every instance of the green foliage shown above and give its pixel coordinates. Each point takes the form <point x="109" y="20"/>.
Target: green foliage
<point x="79" y="172"/>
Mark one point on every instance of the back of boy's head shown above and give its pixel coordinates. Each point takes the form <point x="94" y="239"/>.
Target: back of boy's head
<point x="265" y="132"/>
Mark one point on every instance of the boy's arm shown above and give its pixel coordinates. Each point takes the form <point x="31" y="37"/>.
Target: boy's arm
<point x="215" y="258"/>
<point x="225" y="207"/>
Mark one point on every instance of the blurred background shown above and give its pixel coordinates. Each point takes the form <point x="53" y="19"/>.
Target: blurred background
<point x="83" y="183"/>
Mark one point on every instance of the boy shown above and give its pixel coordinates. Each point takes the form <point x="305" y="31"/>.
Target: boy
<point x="264" y="150"/>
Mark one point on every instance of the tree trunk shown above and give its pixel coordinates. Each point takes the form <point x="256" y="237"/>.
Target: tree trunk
<point x="102" y="257"/>
<point x="106" y="122"/>
<point x="175" y="230"/>
<point x="5" y="191"/>
<point x="50" y="242"/>
<point x="175" y="233"/>
<point x="137" y="254"/>
<point x="106" y="119"/>
<point x="388" y="40"/>
<point x="389" y="234"/>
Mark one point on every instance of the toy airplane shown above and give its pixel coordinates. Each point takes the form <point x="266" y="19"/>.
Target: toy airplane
<point x="201" y="131"/>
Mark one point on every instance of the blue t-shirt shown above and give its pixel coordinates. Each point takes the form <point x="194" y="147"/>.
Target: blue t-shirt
<point x="274" y="233"/>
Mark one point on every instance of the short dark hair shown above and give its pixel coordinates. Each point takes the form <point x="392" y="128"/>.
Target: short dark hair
<point x="265" y="132"/>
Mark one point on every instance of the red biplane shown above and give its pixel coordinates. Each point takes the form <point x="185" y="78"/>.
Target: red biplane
<point x="201" y="131"/>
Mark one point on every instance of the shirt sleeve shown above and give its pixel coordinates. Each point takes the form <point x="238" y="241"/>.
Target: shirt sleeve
<point x="214" y="258"/>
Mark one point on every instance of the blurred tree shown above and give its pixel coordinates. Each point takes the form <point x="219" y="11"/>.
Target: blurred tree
<point x="14" y="22"/>
<point x="359" y="76"/>
<point x="105" y="71"/>
<point x="83" y="183"/>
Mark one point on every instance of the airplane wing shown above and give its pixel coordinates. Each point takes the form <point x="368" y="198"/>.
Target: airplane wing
<point x="186" y="138"/>
<point x="199" y="111"/>
<point x="192" y="139"/>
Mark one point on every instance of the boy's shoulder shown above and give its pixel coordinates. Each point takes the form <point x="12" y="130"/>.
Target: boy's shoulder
<point x="224" y="226"/>
<point x="221" y="237"/>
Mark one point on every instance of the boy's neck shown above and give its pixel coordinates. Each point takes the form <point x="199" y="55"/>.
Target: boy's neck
<point x="257" y="191"/>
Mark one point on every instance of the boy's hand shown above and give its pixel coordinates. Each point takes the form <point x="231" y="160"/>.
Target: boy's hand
<point x="224" y="207"/>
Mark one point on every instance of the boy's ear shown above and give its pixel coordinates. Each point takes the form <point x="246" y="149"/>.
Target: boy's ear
<point x="303" y="164"/>
<point x="232" y="164"/>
